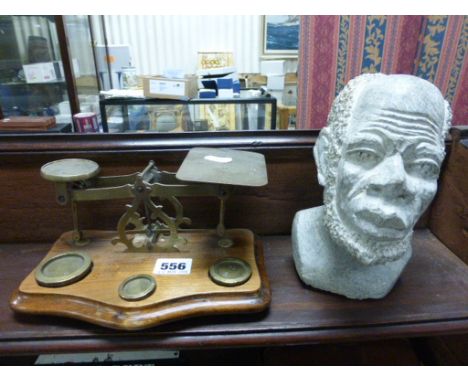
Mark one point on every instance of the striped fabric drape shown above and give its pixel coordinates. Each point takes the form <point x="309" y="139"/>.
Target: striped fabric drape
<point x="334" y="49"/>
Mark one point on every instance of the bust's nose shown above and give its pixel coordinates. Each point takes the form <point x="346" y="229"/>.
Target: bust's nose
<point x="390" y="180"/>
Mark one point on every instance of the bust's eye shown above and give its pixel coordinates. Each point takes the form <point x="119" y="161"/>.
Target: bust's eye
<point x="364" y="157"/>
<point x="424" y="169"/>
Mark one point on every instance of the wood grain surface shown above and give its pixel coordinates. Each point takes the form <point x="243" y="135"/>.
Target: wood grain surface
<point x="96" y="298"/>
<point x="429" y="299"/>
<point x="449" y="218"/>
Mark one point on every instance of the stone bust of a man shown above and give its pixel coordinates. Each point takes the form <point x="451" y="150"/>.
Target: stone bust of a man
<point x="378" y="160"/>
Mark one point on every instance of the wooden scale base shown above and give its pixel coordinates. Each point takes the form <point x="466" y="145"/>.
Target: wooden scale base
<point x="95" y="298"/>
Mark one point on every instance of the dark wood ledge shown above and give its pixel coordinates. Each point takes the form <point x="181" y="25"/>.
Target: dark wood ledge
<point x="429" y="299"/>
<point x="21" y="144"/>
<point x="150" y="142"/>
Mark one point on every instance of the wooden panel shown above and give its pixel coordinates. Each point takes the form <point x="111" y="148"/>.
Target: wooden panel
<point x="264" y="210"/>
<point x="377" y="353"/>
<point x="429" y="299"/>
<point x="447" y="350"/>
<point x="30" y="213"/>
<point x="449" y="219"/>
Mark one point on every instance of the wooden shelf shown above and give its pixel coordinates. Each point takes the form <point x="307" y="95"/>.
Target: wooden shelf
<point x="429" y="299"/>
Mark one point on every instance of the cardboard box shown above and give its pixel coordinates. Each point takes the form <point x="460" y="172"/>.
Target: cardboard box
<point x="172" y="88"/>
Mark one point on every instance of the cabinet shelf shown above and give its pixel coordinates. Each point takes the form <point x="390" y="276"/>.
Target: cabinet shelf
<point x="60" y="82"/>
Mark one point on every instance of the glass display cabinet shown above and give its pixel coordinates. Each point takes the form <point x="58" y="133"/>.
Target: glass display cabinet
<point x="46" y="67"/>
<point x="167" y="115"/>
<point x="32" y="80"/>
<point x="79" y="36"/>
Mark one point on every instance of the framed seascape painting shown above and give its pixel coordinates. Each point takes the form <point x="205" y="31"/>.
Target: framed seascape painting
<point x="280" y="35"/>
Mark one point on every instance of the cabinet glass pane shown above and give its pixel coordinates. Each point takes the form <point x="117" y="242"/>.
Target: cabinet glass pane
<point x="80" y="47"/>
<point x="32" y="80"/>
<point x="149" y="115"/>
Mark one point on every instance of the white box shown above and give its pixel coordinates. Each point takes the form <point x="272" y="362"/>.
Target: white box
<point x="225" y="93"/>
<point x="41" y="72"/>
<point x="275" y="82"/>
<point x="273" y="67"/>
<point x="176" y="88"/>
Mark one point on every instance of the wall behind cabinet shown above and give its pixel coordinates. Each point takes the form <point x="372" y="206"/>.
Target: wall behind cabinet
<point x="161" y="42"/>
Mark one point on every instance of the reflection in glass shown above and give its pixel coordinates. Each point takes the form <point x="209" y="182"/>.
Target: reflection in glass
<point x="82" y="58"/>
<point x="31" y="72"/>
<point x="164" y="116"/>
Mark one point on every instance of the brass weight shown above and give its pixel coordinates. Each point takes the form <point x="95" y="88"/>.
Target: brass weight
<point x="63" y="269"/>
<point x="230" y="271"/>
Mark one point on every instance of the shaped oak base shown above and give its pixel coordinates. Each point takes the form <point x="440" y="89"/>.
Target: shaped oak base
<point x="96" y="299"/>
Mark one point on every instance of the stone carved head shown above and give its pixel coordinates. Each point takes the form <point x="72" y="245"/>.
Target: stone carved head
<point x="378" y="159"/>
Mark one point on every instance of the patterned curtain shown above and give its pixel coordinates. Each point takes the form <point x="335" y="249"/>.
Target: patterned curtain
<point x="334" y="49"/>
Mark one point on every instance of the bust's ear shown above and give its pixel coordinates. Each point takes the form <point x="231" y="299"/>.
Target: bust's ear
<point x="320" y="155"/>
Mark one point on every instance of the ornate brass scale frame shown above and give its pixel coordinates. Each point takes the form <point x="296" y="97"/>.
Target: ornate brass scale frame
<point x="230" y="280"/>
<point x="156" y="230"/>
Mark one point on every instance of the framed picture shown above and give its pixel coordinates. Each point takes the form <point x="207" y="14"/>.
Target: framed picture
<point x="280" y="35"/>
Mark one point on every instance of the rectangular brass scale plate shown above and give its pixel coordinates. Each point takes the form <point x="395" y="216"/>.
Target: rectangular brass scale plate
<point x="224" y="166"/>
<point x="96" y="298"/>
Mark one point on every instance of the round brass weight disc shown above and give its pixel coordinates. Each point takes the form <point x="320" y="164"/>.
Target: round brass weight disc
<point x="70" y="170"/>
<point x="64" y="269"/>
<point x="138" y="287"/>
<point x="230" y="272"/>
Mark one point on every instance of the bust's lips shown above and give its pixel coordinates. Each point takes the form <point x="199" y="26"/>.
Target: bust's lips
<point x="383" y="220"/>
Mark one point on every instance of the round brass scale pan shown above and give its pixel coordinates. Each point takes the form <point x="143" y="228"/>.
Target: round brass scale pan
<point x="230" y="271"/>
<point x="69" y="170"/>
<point x="137" y="287"/>
<point x="63" y="269"/>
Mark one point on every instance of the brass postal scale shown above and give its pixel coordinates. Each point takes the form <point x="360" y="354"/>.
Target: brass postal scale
<point x="151" y="270"/>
